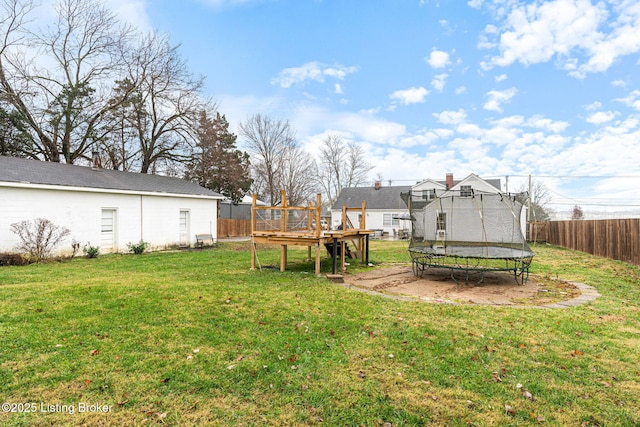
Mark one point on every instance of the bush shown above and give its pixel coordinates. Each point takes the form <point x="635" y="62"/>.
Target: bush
<point x="137" y="248"/>
<point x="12" y="259"/>
<point x="91" y="251"/>
<point x="75" y="247"/>
<point x="38" y="237"/>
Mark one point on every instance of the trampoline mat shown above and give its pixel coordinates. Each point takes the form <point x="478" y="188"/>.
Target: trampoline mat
<point x="488" y="252"/>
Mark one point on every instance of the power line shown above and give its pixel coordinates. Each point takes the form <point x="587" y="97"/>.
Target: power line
<point x="534" y="176"/>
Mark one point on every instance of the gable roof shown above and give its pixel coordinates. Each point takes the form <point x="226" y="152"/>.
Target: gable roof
<point x="495" y="182"/>
<point x="489" y="185"/>
<point x="27" y="172"/>
<point x="382" y="198"/>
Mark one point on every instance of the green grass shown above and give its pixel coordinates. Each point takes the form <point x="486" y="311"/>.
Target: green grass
<point x="196" y="338"/>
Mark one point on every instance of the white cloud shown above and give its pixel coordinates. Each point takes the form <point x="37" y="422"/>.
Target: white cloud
<point x="413" y="95"/>
<point x="439" y="81"/>
<point x="425" y="137"/>
<point x="133" y="12"/>
<point x="337" y="89"/>
<point x="583" y="37"/>
<point x="509" y="121"/>
<point x="593" y="106"/>
<point x="497" y="98"/>
<point x="632" y="100"/>
<point x="541" y="122"/>
<point x="311" y="119"/>
<point x="601" y="117"/>
<point x="469" y="129"/>
<point x="460" y="90"/>
<point x="438" y="59"/>
<point x="501" y="78"/>
<point x="451" y="117"/>
<point x="314" y="71"/>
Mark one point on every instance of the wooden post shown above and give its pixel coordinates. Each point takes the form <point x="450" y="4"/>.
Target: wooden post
<point x="285" y="212"/>
<point x="344" y="217"/>
<point x="363" y="216"/>
<point x="317" y="259"/>
<point x="253" y="256"/>
<point x="309" y="211"/>
<point x="284" y="226"/>
<point x="253" y="229"/>
<point x="318" y="214"/>
<point x="283" y="257"/>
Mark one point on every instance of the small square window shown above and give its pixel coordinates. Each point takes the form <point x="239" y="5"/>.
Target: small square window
<point x="466" y="191"/>
<point x="428" y="194"/>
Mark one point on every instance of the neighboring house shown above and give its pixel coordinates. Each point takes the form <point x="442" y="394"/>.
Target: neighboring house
<point x="472" y="184"/>
<point x="385" y="208"/>
<point x="383" y="204"/>
<point x="105" y="208"/>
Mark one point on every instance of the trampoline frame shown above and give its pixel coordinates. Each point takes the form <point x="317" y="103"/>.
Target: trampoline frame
<point x="476" y="260"/>
<point x="482" y="250"/>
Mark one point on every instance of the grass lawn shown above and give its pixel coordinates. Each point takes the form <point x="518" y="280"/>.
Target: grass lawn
<point x="196" y="338"/>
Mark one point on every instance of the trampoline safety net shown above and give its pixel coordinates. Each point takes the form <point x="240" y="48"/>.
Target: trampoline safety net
<point x="469" y="234"/>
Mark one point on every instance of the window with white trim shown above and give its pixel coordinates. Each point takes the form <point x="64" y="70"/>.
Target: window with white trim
<point x="388" y="220"/>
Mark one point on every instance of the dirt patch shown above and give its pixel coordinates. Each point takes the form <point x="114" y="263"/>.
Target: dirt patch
<point x="437" y="285"/>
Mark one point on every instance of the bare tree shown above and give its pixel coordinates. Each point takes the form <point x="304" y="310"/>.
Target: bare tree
<point x="540" y="196"/>
<point x="341" y="165"/>
<point x="88" y="82"/>
<point x="297" y="172"/>
<point x="269" y="141"/>
<point x="164" y="108"/>
<point x="60" y="80"/>
<point x="278" y="163"/>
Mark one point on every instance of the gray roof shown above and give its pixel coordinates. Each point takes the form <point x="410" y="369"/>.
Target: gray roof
<point x="382" y="198"/>
<point x="493" y="181"/>
<point x="26" y="171"/>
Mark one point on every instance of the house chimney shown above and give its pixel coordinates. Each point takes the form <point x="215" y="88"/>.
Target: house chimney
<point x="377" y="185"/>
<point x="95" y="160"/>
<point x="449" y="181"/>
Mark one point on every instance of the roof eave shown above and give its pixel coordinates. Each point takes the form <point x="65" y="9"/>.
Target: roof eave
<point x="106" y="190"/>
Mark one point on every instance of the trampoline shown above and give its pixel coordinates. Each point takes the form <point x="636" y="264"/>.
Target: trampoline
<point x="469" y="235"/>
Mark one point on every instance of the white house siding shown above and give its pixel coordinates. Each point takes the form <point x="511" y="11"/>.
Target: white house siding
<point x="152" y="218"/>
<point x="374" y="221"/>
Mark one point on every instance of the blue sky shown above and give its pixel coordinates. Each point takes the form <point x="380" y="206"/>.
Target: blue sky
<point x="498" y="88"/>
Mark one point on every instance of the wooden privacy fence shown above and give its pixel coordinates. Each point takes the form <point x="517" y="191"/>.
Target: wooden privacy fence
<point x="611" y="238"/>
<point x="234" y="227"/>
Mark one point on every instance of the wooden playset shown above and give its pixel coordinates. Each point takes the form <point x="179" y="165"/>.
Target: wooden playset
<point x="286" y="225"/>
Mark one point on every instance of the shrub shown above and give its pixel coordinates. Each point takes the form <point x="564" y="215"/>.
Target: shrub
<point x="137" y="248"/>
<point x="38" y="237"/>
<point x="91" y="251"/>
<point x="12" y="259"/>
<point x="75" y="247"/>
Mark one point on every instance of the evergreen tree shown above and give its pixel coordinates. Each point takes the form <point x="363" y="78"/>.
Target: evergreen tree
<point x="216" y="162"/>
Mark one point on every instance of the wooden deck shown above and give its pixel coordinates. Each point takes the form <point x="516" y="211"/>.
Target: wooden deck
<point x="310" y="235"/>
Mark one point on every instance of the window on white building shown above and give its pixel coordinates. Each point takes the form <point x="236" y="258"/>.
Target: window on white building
<point x="428" y="194"/>
<point x="388" y="220"/>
